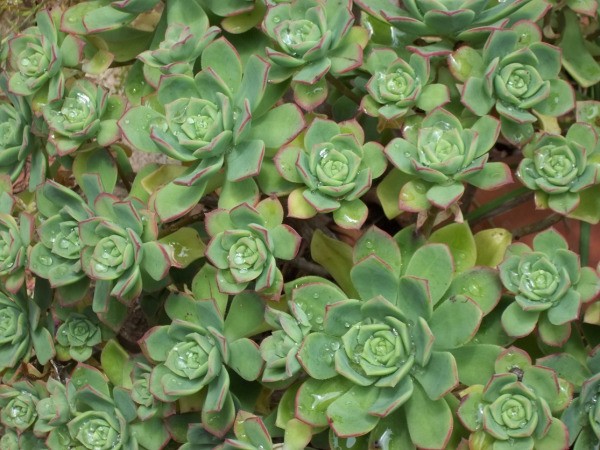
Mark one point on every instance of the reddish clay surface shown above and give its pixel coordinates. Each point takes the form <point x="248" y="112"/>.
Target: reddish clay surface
<point x="526" y="214"/>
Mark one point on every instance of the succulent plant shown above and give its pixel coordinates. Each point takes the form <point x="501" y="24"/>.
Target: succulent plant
<point x="313" y="37"/>
<point x="559" y="167"/>
<point x="199" y="438"/>
<point x="148" y="406"/>
<point x="397" y="86"/>
<point x="186" y="35"/>
<point x="222" y="116"/>
<point x="173" y="304"/>
<point x="17" y="141"/>
<point x="245" y="243"/>
<point x="549" y="287"/>
<point x="250" y="432"/>
<point x="119" y="244"/>
<point x="94" y="429"/>
<point x="180" y="49"/>
<point x="457" y="20"/>
<point x="581" y="416"/>
<point x="194" y="353"/>
<point x="15" y="238"/>
<point x="371" y="345"/>
<point x="15" y="340"/>
<point x="76" y="337"/>
<point x="336" y="167"/>
<point x="387" y="352"/>
<point x="19" y="417"/>
<point x="37" y="55"/>
<point x="18" y="404"/>
<point x="442" y="156"/>
<point x="93" y="17"/>
<point x="23" y="328"/>
<point x="280" y="349"/>
<point x="101" y="416"/>
<point x="239" y="16"/>
<point x="518" y="77"/>
<point x="85" y="113"/>
<point x="53" y="413"/>
<point x="11" y="440"/>
<point x="114" y="243"/>
<point x="513" y="412"/>
<point x="57" y="255"/>
<point x="90" y="413"/>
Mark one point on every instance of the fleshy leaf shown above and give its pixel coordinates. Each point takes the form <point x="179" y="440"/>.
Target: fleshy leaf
<point x="482" y="285"/>
<point x="456" y="310"/>
<point x="336" y="257"/>
<point x="459" y="239"/>
<point x="491" y="245"/>
<point x="419" y="410"/>
<point x="315" y="396"/>
<point x="433" y="263"/>
<point x="372" y="277"/>
<point x="347" y="414"/>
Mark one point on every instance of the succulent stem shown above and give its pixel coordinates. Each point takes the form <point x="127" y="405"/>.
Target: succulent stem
<point x="536" y="226"/>
<point x="184" y="221"/>
<point x="499" y="205"/>
<point x="340" y="86"/>
<point x="429" y="222"/>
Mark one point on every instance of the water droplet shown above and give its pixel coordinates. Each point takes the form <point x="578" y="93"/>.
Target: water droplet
<point x="276" y="19"/>
<point x="420" y="188"/>
<point x="315" y="295"/>
<point x="475" y="289"/>
<point x="100" y="268"/>
<point x="406" y="196"/>
<point x="45" y="260"/>
<point x="238" y="258"/>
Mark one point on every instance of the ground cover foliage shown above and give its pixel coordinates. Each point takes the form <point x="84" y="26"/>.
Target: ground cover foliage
<point x="302" y="272"/>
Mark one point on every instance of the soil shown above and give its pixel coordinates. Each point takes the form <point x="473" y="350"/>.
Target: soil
<point x="526" y="214"/>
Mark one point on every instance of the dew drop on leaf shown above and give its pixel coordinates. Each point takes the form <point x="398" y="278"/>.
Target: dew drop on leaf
<point x="45" y="260"/>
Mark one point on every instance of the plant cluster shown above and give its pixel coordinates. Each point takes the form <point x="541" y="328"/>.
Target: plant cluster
<point x="305" y="270"/>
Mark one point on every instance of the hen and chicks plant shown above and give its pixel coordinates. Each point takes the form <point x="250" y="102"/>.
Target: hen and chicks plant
<point x="302" y="260"/>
